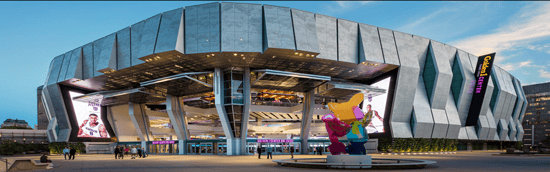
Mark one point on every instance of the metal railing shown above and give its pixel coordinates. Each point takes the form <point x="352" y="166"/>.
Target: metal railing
<point x="5" y="160"/>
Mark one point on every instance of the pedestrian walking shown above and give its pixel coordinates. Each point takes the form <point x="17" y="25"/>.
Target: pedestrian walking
<point x="269" y="152"/>
<point x="72" y="152"/>
<point x="117" y="151"/>
<point x="134" y="152"/>
<point x="66" y="153"/>
<point x="121" y="154"/>
<point x="291" y="153"/>
<point x="259" y="150"/>
<point x="139" y="152"/>
<point x="144" y="152"/>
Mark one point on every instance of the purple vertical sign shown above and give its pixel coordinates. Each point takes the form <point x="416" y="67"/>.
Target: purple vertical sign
<point x="483" y="73"/>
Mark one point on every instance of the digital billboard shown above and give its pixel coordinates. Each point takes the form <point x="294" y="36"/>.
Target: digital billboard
<point x="88" y="117"/>
<point x="377" y="106"/>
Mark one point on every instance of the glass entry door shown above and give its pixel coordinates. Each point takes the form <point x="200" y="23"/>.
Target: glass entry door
<point x="222" y="148"/>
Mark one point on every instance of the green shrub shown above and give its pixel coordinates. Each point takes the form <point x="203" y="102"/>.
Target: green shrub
<point x="424" y="145"/>
<point x="9" y="147"/>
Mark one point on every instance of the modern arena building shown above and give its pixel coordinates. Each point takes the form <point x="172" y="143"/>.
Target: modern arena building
<point x="219" y="78"/>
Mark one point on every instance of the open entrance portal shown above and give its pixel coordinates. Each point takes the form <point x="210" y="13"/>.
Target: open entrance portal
<point x="189" y="117"/>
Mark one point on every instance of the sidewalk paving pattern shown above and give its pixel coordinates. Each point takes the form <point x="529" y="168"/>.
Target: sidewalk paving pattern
<point x="462" y="161"/>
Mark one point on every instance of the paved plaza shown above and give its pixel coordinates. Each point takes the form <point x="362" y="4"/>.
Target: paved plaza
<point x="462" y="161"/>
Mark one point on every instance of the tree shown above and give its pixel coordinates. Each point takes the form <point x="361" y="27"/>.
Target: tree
<point x="14" y="127"/>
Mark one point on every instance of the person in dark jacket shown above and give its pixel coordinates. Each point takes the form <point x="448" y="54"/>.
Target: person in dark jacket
<point x="259" y="150"/>
<point x="121" y="152"/>
<point x="44" y="159"/>
<point x="117" y="151"/>
<point x="72" y="153"/>
<point x="139" y="152"/>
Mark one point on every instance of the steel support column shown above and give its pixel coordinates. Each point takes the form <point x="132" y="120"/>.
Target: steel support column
<point x="219" y="102"/>
<point x="307" y="115"/>
<point x="139" y="121"/>
<point x="178" y="120"/>
<point x="246" y="111"/>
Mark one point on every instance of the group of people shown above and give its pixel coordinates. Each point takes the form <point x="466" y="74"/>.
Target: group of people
<point x="69" y="152"/>
<point x="269" y="151"/>
<point x="135" y="151"/>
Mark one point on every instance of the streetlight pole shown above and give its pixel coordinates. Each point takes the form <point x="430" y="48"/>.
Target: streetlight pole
<point x="532" y="135"/>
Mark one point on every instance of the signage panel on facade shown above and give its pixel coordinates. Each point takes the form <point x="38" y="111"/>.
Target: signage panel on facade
<point x="275" y="140"/>
<point x="482" y="75"/>
<point x="164" y="142"/>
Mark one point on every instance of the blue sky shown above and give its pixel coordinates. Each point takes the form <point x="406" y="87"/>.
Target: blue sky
<point x="33" y="33"/>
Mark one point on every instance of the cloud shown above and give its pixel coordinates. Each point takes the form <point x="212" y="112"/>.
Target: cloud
<point x="425" y="19"/>
<point x="514" y="66"/>
<point x="542" y="48"/>
<point x="526" y="63"/>
<point x="544" y="74"/>
<point x="341" y="7"/>
<point x="532" y="24"/>
<point x="508" y="67"/>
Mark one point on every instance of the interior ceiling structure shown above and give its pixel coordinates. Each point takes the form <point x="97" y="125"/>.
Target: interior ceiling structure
<point x="117" y="97"/>
<point x="173" y="62"/>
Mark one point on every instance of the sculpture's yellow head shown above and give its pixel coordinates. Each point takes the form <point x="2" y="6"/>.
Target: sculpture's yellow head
<point x="344" y="111"/>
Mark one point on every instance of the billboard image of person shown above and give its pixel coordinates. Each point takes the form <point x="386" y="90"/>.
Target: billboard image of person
<point x="92" y="128"/>
<point x="88" y="117"/>
<point x="376" y="105"/>
<point x="377" y="122"/>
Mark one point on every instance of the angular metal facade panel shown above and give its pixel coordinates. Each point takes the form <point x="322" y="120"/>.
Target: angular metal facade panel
<point x="369" y="44"/>
<point x="422" y="121"/>
<point x="55" y="69"/>
<point x="492" y="125"/>
<point x="241" y="27"/>
<point x="123" y="49"/>
<point x="348" y="45"/>
<point x="64" y="67"/>
<point x="88" y="61"/>
<point x="305" y="32"/>
<point x="442" y="83"/>
<point x="441" y="123"/>
<point x="57" y="107"/>
<point x="278" y="27"/>
<point x="453" y="118"/>
<point x="482" y="128"/>
<point x="149" y="36"/>
<point x="170" y="33"/>
<point x="472" y="135"/>
<point x="105" y="54"/>
<point x="513" y="132"/>
<point x="136" y="32"/>
<point x="463" y="135"/>
<point x="326" y="34"/>
<point x="503" y="128"/>
<point x="465" y="98"/>
<point x="202" y="28"/>
<point x="410" y="49"/>
<point x="75" y="65"/>
<point x="388" y="46"/>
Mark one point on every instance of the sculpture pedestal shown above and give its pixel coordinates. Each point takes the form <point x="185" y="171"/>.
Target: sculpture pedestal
<point x="350" y="159"/>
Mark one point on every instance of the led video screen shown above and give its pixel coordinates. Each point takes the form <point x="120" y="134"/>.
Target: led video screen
<point x="88" y="117"/>
<point x="377" y="106"/>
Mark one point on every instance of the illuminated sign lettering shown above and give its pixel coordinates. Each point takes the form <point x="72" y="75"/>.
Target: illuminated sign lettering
<point x="275" y="140"/>
<point x="483" y="72"/>
<point x="164" y="142"/>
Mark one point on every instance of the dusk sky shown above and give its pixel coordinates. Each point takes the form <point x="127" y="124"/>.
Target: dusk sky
<point x="33" y="33"/>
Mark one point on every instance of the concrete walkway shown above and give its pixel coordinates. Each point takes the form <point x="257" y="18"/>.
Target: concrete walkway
<point x="462" y="161"/>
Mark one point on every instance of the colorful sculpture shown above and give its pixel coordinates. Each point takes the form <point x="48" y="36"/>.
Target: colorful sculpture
<point x="347" y="120"/>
